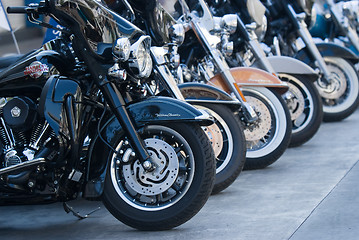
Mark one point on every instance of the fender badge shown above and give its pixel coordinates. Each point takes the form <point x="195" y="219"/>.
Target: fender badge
<point x="36" y="69"/>
<point x="167" y="115"/>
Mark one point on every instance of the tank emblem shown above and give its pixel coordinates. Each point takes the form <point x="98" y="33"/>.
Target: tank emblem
<point x="36" y="69"/>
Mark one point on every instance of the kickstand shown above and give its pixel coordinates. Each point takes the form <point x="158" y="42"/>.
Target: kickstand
<point x="69" y="209"/>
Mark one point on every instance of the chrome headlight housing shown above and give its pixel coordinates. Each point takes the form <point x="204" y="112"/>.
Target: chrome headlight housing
<point x="177" y="33"/>
<point x="261" y="29"/>
<point x="140" y="61"/>
<point x="230" y="22"/>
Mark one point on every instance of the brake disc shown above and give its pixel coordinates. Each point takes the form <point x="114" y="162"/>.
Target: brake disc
<point x="259" y="129"/>
<point x="295" y="101"/>
<point x="159" y="180"/>
<point x="214" y="135"/>
<point x="337" y="86"/>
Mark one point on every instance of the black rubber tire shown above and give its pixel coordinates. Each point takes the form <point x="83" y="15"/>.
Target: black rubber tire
<point x="144" y="217"/>
<point x="334" y="114"/>
<point x="271" y="152"/>
<point x="228" y="170"/>
<point x="313" y="109"/>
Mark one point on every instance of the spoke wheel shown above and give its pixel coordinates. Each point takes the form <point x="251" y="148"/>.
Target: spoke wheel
<point x="269" y="136"/>
<point x="341" y="97"/>
<point x="305" y="107"/>
<point x="227" y="139"/>
<point x="174" y="191"/>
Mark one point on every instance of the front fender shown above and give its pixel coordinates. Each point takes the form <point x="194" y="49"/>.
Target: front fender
<point x="150" y="111"/>
<point x="327" y="50"/>
<point x="196" y="92"/>
<point x="248" y="76"/>
<point x="164" y="109"/>
<point x="284" y="64"/>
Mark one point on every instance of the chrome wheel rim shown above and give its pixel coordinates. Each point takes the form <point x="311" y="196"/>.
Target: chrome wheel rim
<point x="343" y="94"/>
<point x="301" y="108"/>
<point x="167" y="184"/>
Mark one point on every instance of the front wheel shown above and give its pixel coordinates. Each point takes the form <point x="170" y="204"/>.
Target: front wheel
<point x="269" y="136"/>
<point x="305" y="107"/>
<point x="229" y="144"/>
<point x="172" y="193"/>
<point x="341" y="96"/>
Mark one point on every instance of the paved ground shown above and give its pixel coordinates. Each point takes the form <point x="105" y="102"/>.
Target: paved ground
<point x="311" y="192"/>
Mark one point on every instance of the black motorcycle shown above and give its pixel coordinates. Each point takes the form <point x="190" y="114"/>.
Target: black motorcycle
<point x="77" y="122"/>
<point x="225" y="134"/>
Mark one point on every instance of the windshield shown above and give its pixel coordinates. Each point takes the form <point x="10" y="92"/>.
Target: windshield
<point x="172" y="7"/>
<point x="94" y="21"/>
<point x="256" y="10"/>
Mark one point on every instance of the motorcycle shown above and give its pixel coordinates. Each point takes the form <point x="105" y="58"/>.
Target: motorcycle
<point x="225" y="134"/>
<point x="302" y="98"/>
<point x="288" y="34"/>
<point x="263" y="113"/>
<point x="92" y="132"/>
<point x="337" y="22"/>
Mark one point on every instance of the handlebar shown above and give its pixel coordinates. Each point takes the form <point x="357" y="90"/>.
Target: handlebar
<point x="32" y="8"/>
<point x="16" y="9"/>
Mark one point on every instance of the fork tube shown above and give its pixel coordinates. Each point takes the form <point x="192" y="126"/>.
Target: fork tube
<point x="222" y="65"/>
<point x="251" y="38"/>
<point x="117" y="105"/>
<point x="307" y="38"/>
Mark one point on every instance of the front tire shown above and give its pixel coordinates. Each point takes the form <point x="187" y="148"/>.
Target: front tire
<point x="229" y="144"/>
<point x="305" y="107"/>
<point x="269" y="137"/>
<point x="171" y="194"/>
<point x="341" y="97"/>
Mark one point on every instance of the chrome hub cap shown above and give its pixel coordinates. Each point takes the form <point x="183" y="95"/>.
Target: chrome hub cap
<point x="337" y="86"/>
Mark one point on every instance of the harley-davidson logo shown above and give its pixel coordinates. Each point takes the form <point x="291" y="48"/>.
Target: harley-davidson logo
<point x="36" y="69"/>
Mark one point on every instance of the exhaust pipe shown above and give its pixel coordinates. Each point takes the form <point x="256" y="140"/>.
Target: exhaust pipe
<point x="22" y="165"/>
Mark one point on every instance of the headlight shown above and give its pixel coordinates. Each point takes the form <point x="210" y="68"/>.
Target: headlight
<point x="230" y="22"/>
<point x="121" y="48"/>
<point x="261" y="29"/>
<point x="140" y="60"/>
<point x="177" y="33"/>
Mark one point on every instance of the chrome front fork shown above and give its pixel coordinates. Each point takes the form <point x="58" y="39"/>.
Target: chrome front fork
<point x="308" y="40"/>
<point x="248" y="112"/>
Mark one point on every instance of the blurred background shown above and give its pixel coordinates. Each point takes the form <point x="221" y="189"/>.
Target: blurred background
<point x="27" y="35"/>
